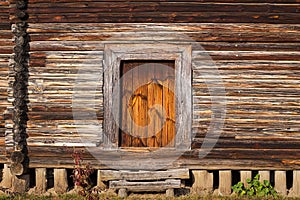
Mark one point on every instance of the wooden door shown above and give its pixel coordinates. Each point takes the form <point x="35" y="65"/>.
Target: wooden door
<point x="151" y="87"/>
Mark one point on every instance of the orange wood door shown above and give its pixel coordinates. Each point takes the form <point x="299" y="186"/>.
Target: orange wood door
<point x="143" y="88"/>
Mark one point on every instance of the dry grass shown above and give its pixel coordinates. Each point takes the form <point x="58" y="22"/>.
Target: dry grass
<point x="112" y="196"/>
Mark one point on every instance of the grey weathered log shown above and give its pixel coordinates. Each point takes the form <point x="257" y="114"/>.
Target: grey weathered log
<point x="17" y="157"/>
<point x="144" y="175"/>
<point x="20" y="184"/>
<point x="16" y="169"/>
<point x="149" y="186"/>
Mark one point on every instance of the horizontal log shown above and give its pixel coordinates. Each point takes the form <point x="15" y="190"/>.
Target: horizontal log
<point x="98" y="45"/>
<point x="244" y="55"/>
<point x="252" y="94"/>
<point x="6" y="50"/>
<point x="260" y="125"/>
<point x="61" y="115"/>
<point x="278" y="129"/>
<point x="248" y="99"/>
<point x="63" y="123"/>
<point x="90" y="64"/>
<point x="162" y="17"/>
<point x="208" y="164"/>
<point x="217" y="153"/>
<point x="42" y="159"/>
<point x="145" y="186"/>
<point x="203" y="35"/>
<point x="5" y="25"/>
<point x="114" y="28"/>
<point x="236" y="153"/>
<point x="205" y="114"/>
<point x="249" y="143"/>
<point x="3" y="158"/>
<point x="275" y="136"/>
<point x="4" y="3"/>
<point x="123" y="7"/>
<point x="107" y="175"/>
<point x="248" y="65"/>
<point x="7" y="35"/>
<point x="245" y="126"/>
<point x="62" y="56"/>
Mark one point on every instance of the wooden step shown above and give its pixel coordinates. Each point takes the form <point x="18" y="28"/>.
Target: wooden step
<point x="107" y="175"/>
<point x="148" y="186"/>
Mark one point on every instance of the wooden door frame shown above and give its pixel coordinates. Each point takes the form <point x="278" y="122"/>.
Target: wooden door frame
<point x="181" y="54"/>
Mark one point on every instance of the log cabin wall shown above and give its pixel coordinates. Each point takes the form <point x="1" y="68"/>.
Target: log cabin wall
<point x="254" y="44"/>
<point x="6" y="49"/>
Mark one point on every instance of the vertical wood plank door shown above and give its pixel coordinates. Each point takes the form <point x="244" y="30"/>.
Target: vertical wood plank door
<point x="147" y="86"/>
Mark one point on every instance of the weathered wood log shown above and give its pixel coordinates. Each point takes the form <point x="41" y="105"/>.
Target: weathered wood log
<point x="163" y="17"/>
<point x="159" y="7"/>
<point x="145" y="186"/>
<point x="20" y="184"/>
<point x="19" y="65"/>
<point x="202" y="182"/>
<point x="254" y="32"/>
<point x="98" y="35"/>
<point x="98" y="46"/>
<point x="17" y="157"/>
<point x="267" y="141"/>
<point x="216" y="160"/>
<point x="191" y="163"/>
<point x="17" y="169"/>
<point x="144" y="175"/>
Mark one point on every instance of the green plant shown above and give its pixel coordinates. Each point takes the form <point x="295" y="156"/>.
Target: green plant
<point x="255" y="188"/>
<point x="81" y="176"/>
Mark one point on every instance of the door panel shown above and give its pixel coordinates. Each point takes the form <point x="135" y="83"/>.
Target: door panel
<point x="151" y="87"/>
